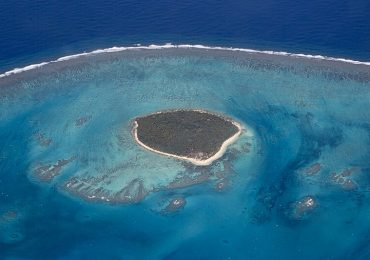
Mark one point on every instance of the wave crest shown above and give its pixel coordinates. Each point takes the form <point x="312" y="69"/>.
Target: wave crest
<point x="180" y="46"/>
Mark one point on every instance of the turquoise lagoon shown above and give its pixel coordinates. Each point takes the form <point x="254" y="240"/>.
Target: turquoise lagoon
<point x="74" y="184"/>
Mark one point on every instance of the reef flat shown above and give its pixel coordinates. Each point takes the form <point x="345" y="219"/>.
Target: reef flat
<point x="66" y="134"/>
<point x="194" y="135"/>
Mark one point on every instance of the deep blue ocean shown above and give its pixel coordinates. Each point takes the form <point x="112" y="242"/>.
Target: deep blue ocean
<point x="74" y="184"/>
<point x="35" y="30"/>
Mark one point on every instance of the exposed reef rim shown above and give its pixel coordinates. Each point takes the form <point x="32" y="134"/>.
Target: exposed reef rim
<point x="180" y="46"/>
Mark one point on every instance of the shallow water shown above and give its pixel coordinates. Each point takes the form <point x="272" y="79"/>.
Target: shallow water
<point x="294" y="185"/>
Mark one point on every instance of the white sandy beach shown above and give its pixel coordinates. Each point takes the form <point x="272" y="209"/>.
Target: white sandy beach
<point x="195" y="161"/>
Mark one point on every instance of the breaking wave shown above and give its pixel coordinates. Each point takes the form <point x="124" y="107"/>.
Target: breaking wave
<point x="180" y="46"/>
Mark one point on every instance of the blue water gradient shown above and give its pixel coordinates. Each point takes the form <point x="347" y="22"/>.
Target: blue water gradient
<point x="300" y="190"/>
<point x="32" y="31"/>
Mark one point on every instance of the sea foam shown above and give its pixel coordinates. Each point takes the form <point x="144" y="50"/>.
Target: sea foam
<point x="180" y="46"/>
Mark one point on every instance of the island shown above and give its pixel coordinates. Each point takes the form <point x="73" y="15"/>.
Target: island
<point x="197" y="136"/>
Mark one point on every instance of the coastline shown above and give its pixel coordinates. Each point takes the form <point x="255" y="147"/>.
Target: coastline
<point x="197" y="162"/>
<point x="181" y="46"/>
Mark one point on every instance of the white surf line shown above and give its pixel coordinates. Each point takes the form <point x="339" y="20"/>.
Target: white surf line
<point x="198" y="162"/>
<point x="181" y="46"/>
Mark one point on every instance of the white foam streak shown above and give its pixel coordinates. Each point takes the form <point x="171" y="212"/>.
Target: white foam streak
<point x="181" y="46"/>
<point x="19" y="70"/>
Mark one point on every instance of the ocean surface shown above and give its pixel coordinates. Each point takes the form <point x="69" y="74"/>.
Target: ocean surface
<point x="32" y="31"/>
<point x="75" y="185"/>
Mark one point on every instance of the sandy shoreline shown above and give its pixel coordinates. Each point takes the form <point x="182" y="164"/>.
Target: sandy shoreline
<point x="197" y="162"/>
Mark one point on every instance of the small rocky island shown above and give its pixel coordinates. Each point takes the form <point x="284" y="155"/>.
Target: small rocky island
<point x="194" y="135"/>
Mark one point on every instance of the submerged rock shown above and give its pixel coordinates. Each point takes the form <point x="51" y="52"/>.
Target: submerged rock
<point x="49" y="171"/>
<point x="343" y="179"/>
<point x="302" y="208"/>
<point x="174" y="205"/>
<point x="93" y="189"/>
<point x="9" y="215"/>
